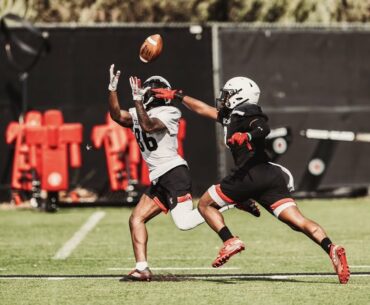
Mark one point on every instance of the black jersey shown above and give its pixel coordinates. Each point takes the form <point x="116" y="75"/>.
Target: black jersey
<point x="239" y="120"/>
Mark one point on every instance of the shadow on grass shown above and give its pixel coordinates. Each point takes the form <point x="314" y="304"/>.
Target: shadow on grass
<point x="224" y="278"/>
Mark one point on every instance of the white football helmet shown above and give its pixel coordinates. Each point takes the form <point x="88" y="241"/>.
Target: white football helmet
<point x="238" y="90"/>
<point x="150" y="100"/>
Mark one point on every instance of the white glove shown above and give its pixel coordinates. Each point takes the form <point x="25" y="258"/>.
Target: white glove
<point x="113" y="78"/>
<point x="137" y="92"/>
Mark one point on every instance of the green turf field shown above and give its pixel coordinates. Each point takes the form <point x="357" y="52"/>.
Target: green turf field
<point x="30" y="239"/>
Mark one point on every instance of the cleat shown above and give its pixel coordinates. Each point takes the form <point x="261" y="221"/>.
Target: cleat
<point x="231" y="247"/>
<point x="136" y="275"/>
<point x="249" y="206"/>
<point x="338" y="257"/>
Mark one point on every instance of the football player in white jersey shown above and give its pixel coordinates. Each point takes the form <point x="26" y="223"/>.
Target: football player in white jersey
<point x="155" y="125"/>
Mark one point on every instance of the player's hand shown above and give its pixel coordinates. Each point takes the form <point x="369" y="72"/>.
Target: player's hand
<point x="240" y="138"/>
<point x="137" y="92"/>
<point x="113" y="78"/>
<point x="164" y="93"/>
<point x="168" y="94"/>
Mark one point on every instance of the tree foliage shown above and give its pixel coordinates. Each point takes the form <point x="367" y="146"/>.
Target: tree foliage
<point x="276" y="11"/>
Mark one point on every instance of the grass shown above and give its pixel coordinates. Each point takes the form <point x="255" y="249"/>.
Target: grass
<point x="29" y="240"/>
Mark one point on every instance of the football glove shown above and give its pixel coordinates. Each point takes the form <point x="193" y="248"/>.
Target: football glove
<point x="239" y="138"/>
<point x="113" y="78"/>
<point x="137" y="92"/>
<point x="168" y="94"/>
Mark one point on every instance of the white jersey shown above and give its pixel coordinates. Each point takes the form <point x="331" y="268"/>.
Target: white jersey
<point x="159" y="149"/>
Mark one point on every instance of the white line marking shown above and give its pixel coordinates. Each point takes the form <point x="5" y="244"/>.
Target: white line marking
<point x="71" y="244"/>
<point x="179" y="268"/>
<point x="2" y="269"/>
<point x="56" y="278"/>
<point x="190" y="277"/>
<point x="273" y="277"/>
<point x="359" y="266"/>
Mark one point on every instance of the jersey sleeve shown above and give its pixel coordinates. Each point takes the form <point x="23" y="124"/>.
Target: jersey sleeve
<point x="248" y="110"/>
<point x="170" y="117"/>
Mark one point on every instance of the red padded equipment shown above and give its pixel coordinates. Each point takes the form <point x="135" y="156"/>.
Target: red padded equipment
<point x="121" y="152"/>
<point x="21" y="172"/>
<point x="53" y="138"/>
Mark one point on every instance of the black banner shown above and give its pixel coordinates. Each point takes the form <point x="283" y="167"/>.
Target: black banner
<point x="74" y="78"/>
<point x="309" y="78"/>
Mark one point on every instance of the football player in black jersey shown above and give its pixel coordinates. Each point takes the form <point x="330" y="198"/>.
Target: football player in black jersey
<point x="246" y="127"/>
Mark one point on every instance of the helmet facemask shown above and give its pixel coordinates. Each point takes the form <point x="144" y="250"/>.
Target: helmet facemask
<point x="239" y="90"/>
<point x="224" y="98"/>
<point x="154" y="82"/>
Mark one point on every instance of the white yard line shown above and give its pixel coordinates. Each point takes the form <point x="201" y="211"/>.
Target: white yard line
<point x="187" y="277"/>
<point x="178" y="268"/>
<point x="71" y="244"/>
<point x="273" y="277"/>
<point x="359" y="266"/>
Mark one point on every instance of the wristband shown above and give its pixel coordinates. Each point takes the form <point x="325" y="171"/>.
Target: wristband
<point x="179" y="96"/>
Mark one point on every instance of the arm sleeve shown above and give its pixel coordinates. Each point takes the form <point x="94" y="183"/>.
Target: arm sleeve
<point x="170" y="118"/>
<point x="259" y="128"/>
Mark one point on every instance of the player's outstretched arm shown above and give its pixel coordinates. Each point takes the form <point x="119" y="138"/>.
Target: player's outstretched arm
<point x="192" y="103"/>
<point x="148" y="125"/>
<point x="122" y="117"/>
<point x="200" y="107"/>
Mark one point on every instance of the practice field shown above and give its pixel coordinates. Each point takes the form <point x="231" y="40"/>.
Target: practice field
<point x="77" y="257"/>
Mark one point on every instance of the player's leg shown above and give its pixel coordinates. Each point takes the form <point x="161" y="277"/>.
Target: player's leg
<point x="173" y="193"/>
<point x="175" y="188"/>
<point x="277" y="199"/>
<point x="209" y="209"/>
<point x="296" y="220"/>
<point x="186" y="217"/>
<point x="208" y="206"/>
<point x="145" y="210"/>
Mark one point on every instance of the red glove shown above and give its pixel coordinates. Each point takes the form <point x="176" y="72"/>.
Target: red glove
<point x="239" y="138"/>
<point x="168" y="94"/>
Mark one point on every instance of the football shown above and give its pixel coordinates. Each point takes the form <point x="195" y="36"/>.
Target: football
<point x="151" y="48"/>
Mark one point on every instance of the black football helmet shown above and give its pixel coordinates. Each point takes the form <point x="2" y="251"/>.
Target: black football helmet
<point x="150" y="101"/>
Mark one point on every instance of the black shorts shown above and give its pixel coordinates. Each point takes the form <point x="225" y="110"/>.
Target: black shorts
<point x="171" y="188"/>
<point x="266" y="183"/>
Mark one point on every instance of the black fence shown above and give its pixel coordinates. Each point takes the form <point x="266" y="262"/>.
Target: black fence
<point x="310" y="78"/>
<point x="74" y="78"/>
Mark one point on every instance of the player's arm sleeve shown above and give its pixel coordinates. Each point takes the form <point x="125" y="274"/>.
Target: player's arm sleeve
<point x="259" y="127"/>
<point x="170" y="118"/>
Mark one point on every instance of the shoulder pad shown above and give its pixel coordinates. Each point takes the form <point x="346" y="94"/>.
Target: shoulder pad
<point x="248" y="110"/>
